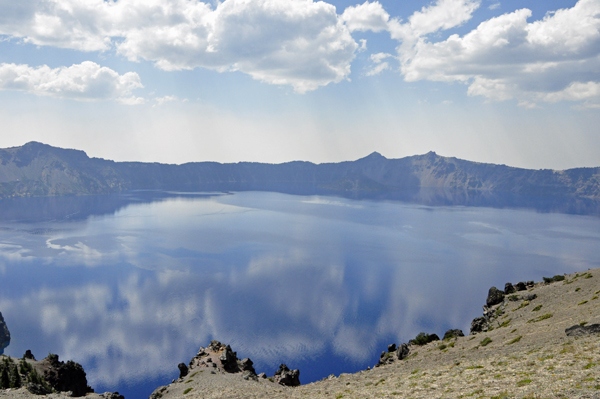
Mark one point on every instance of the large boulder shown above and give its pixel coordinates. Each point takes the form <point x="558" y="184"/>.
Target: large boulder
<point x="520" y="286"/>
<point x="287" y="377"/>
<point x="229" y="360"/>
<point x="402" y="351"/>
<point x="479" y="324"/>
<point x="64" y="377"/>
<point x="509" y="289"/>
<point x="495" y="296"/>
<point x="579" y="330"/>
<point x="183" y="370"/>
<point x="423" y="339"/>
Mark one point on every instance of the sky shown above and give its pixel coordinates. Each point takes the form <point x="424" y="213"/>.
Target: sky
<point x="174" y="81"/>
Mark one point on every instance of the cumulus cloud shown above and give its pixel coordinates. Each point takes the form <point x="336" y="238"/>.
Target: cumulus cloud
<point x="87" y="81"/>
<point x="379" y="64"/>
<point x="507" y="57"/>
<point x="365" y="17"/>
<point x="301" y="43"/>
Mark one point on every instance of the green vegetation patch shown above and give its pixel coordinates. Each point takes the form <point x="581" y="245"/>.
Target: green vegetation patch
<point x="474" y="367"/>
<point x="523" y="382"/>
<point x="442" y="347"/>
<point x="187" y="390"/>
<point x="582" y="303"/>
<point x="540" y="318"/>
<point x="381" y="381"/>
<point x="515" y="340"/>
<point x="485" y="341"/>
<point x="525" y="303"/>
<point x="577" y="289"/>
<point x="589" y="365"/>
<point x="505" y="323"/>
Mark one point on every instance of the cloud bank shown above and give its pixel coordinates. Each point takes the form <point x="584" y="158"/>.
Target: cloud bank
<point x="306" y="44"/>
<point x="87" y="81"/>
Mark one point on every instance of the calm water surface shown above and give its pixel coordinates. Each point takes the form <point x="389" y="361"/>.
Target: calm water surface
<point x="130" y="285"/>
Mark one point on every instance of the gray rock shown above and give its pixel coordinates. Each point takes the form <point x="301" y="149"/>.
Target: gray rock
<point x="495" y="296"/>
<point x="246" y="365"/>
<point x="402" y="351"/>
<point x="392" y="348"/>
<point x="453" y="334"/>
<point x="38" y="389"/>
<point x="529" y="297"/>
<point x="508" y="288"/>
<point x="229" y="360"/>
<point x="479" y="324"/>
<point x="578" y="330"/>
<point x="158" y="392"/>
<point x="183" y="370"/>
<point x="520" y="286"/>
<point x="287" y="377"/>
<point x="262" y="375"/>
<point x="530" y="284"/>
<point x="28" y="355"/>
<point x="113" y="395"/>
<point x="249" y="375"/>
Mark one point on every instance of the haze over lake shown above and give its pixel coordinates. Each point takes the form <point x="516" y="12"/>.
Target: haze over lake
<point x="130" y="285"/>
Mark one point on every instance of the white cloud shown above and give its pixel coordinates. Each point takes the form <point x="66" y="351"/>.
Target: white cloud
<point x="301" y="43"/>
<point x="494" y="6"/>
<point x="553" y="59"/>
<point x="87" y="81"/>
<point x="365" y="17"/>
<point x="379" y="64"/>
<point x="163" y="100"/>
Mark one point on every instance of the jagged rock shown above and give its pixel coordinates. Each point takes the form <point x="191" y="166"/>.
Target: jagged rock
<point x="287" y="377"/>
<point x="262" y="375"/>
<point x="402" y="351"/>
<point x="246" y="365"/>
<point x="28" y="355"/>
<point x="38" y="389"/>
<point x="4" y="335"/>
<point x="249" y="375"/>
<point x="495" y="296"/>
<point x="392" y="348"/>
<point x="65" y="377"/>
<point x="453" y="334"/>
<point x="579" y="330"/>
<point x="229" y="360"/>
<point x="112" y="395"/>
<point x="479" y="324"/>
<point x="529" y="297"/>
<point x="215" y="346"/>
<point x="183" y="370"/>
<point x="530" y="284"/>
<point x="385" y="358"/>
<point x="520" y="286"/>
<point x="508" y="288"/>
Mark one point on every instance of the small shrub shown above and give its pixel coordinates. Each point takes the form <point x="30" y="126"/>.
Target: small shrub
<point x="515" y="340"/>
<point x="505" y="323"/>
<point x="594" y="297"/>
<point x="548" y="280"/>
<point x="188" y="381"/>
<point x="558" y="277"/>
<point x="542" y="317"/>
<point x="589" y="366"/>
<point x="442" y="347"/>
<point x="187" y="390"/>
<point x="339" y="396"/>
<point x="381" y="381"/>
<point x="537" y="308"/>
<point x="485" y="341"/>
<point x="525" y="303"/>
<point x="423" y="339"/>
<point x="513" y="331"/>
<point x="589" y="275"/>
<point x="577" y="289"/>
<point x="523" y="382"/>
<point x="474" y="367"/>
<point x="582" y="303"/>
<point x="583" y="323"/>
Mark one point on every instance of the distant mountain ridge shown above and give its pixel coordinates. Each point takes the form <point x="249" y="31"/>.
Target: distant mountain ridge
<point x="37" y="169"/>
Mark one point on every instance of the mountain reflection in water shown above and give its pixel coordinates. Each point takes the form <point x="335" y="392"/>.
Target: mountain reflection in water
<point x="130" y="285"/>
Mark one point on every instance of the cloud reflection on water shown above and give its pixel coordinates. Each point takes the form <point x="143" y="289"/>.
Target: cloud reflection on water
<point x="280" y="278"/>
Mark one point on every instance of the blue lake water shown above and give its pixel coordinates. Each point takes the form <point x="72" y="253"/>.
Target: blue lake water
<point x="130" y="285"/>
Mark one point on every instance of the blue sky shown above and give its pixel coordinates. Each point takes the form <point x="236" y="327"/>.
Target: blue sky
<point x="510" y="82"/>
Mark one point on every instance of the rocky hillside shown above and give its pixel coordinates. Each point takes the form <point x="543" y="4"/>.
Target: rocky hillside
<point x="37" y="169"/>
<point x="534" y="340"/>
